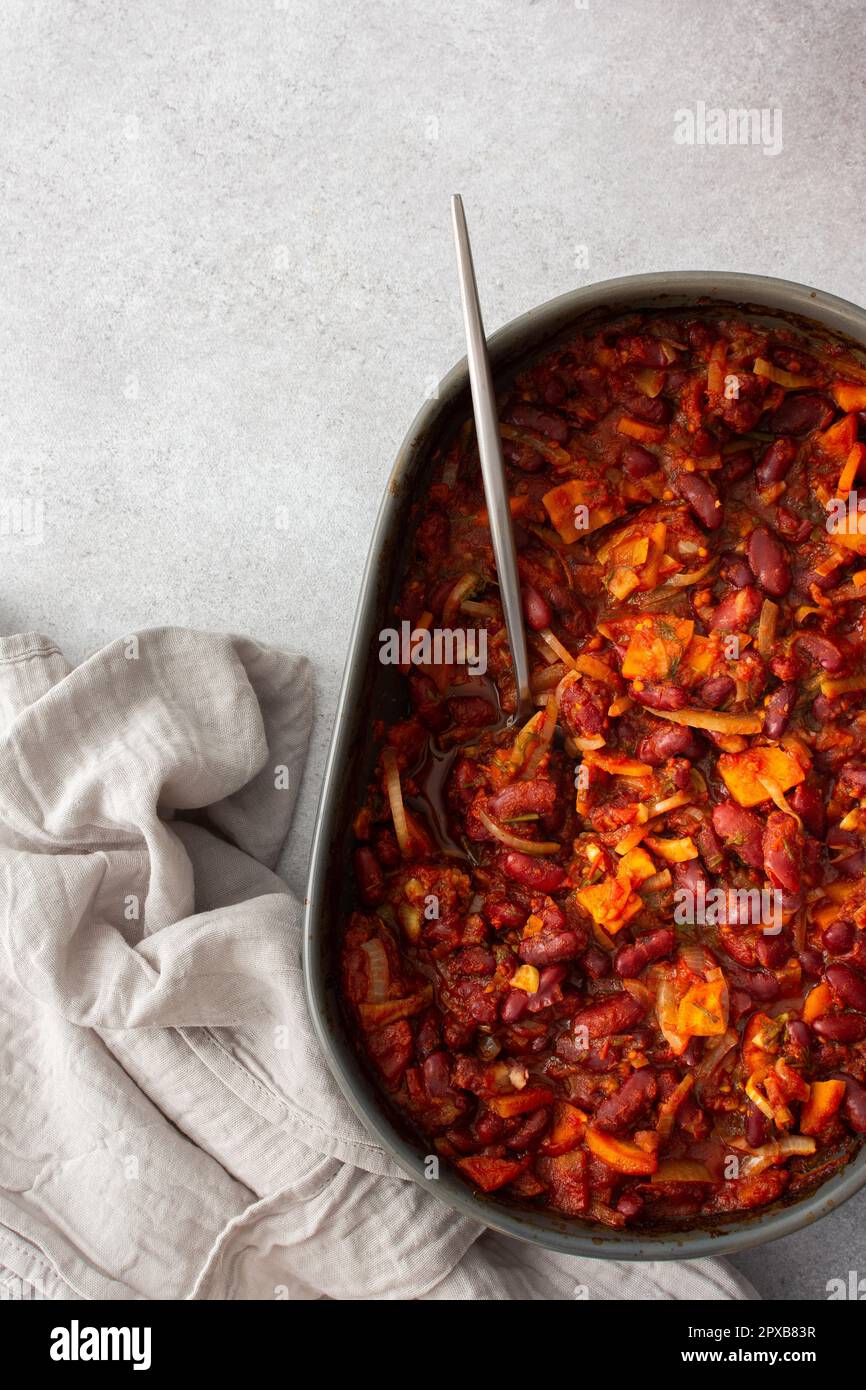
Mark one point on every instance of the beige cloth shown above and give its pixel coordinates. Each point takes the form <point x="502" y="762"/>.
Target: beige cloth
<point x="168" y="1128"/>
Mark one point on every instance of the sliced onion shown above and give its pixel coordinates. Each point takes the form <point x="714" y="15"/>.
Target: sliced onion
<point x="395" y="799"/>
<point x="670" y="803"/>
<point x="769" y="1154"/>
<point x="588" y="745"/>
<point x="758" y="1098"/>
<point x="667" y="1007"/>
<point x="656" y="882"/>
<point x="714" y="1054"/>
<point x="694" y="957"/>
<point x="681" y="1170"/>
<point x="790" y="380"/>
<point x="380" y="975"/>
<point x="563" y="654"/>
<point x="638" y="990"/>
<point x="773" y="790"/>
<point x="589" y="665"/>
<point x="514" y="841"/>
<point x="713" y="720"/>
<point x="548" y="679"/>
<point x="606" y="1216"/>
<point x="767" y="628"/>
<point x="689" y="577"/>
<point x="545" y="736"/>
<point x="668" y="1108"/>
<point x="464" y="586"/>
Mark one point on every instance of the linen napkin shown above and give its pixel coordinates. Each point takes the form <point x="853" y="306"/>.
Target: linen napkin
<point x="168" y="1128"/>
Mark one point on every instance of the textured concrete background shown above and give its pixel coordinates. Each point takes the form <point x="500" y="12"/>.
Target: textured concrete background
<point x="228" y="279"/>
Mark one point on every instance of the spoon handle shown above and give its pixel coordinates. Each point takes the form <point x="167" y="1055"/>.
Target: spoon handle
<point x="492" y="462"/>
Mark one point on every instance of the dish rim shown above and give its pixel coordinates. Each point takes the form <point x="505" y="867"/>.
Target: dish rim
<point x="523" y="336"/>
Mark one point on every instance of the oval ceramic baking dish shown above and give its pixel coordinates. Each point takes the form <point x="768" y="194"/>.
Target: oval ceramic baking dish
<point x="368" y="686"/>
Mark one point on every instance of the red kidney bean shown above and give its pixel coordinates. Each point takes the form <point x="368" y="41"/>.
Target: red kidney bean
<point x="792" y="527"/>
<point x="852" y="780"/>
<point x="772" y="951"/>
<point x="654" y="409"/>
<point x="583" y="710"/>
<point x="595" y="963"/>
<point x="638" y="462"/>
<point x="503" y="914"/>
<point x="853" y="866"/>
<point x="541" y="875"/>
<point x="701" y="339"/>
<point x="806" y="801"/>
<point x="822" y="650"/>
<point x="437" y="1074"/>
<point x="776" y="463"/>
<point x="734" y="570"/>
<point x="778" y="709"/>
<point x="741" y="831"/>
<point x="824" y="581"/>
<point x="689" y="875"/>
<point x="801" y="413"/>
<point x="800" y="1034"/>
<point x="427" y="704"/>
<point x="841" y="1028"/>
<point x="741" y="1004"/>
<point x="536" y="797"/>
<point x="762" y="985"/>
<point x="619" y="1111"/>
<point x="433" y="536"/>
<point x="544" y="949"/>
<point x="716" y="690"/>
<point x="630" y="1205"/>
<point x="371" y="884"/>
<point x="786" y="666"/>
<point x="702" y="499"/>
<point x="738" y="465"/>
<point x="529" y="1130"/>
<point x="757" y="1127"/>
<point x="853" y="1102"/>
<point x="474" y="960"/>
<point x="541" y="421"/>
<point x="669" y="742"/>
<point x="710" y="847"/>
<point x="514" y="1005"/>
<point x="848" y="985"/>
<point x="783" y="851"/>
<point x="555" y="391"/>
<point x="632" y="959"/>
<point x="737" y="611"/>
<point x="839" y="937"/>
<point x="536" y="610"/>
<point x="769" y="562"/>
<point x="811" y="962"/>
<point x="655" y="696"/>
<point x="615" y="1014"/>
<point x="548" y="992"/>
<point x="824" y="710"/>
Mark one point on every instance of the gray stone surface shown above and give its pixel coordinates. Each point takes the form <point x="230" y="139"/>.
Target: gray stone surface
<point x="228" y="279"/>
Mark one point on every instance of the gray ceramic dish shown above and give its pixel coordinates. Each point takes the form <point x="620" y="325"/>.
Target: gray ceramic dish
<point x="368" y="687"/>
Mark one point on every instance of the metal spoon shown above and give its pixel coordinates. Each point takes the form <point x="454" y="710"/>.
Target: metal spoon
<point x="492" y="462"/>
